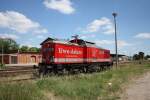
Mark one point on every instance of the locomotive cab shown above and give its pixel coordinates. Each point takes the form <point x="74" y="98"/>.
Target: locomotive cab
<point x="47" y="51"/>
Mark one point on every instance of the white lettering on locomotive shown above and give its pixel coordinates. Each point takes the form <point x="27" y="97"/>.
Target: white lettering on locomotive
<point x="72" y="51"/>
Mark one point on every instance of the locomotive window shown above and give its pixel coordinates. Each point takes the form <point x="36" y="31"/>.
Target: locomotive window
<point x="48" y="49"/>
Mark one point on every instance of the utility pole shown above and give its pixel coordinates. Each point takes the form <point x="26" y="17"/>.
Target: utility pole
<point x="115" y="15"/>
<point x="2" y="52"/>
<point x="2" y="55"/>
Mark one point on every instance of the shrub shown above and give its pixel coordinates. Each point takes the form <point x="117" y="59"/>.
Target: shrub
<point x="2" y="66"/>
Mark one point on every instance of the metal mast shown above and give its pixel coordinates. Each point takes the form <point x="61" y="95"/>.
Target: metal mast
<point x="116" y="48"/>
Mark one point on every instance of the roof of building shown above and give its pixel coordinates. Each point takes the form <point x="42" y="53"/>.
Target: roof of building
<point x="36" y="53"/>
<point x="20" y="52"/>
<point x="29" y="52"/>
<point x="119" y="55"/>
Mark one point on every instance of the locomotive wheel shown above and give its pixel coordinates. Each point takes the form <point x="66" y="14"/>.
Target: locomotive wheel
<point x="84" y="69"/>
<point x="62" y="72"/>
<point x="42" y="71"/>
<point x="65" y="71"/>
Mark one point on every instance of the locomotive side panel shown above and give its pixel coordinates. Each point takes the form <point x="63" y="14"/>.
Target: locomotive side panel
<point x="92" y="54"/>
<point x="65" y="54"/>
<point x="97" y="55"/>
<point x="104" y="55"/>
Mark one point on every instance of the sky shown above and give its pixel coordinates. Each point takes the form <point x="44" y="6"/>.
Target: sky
<point x="29" y="22"/>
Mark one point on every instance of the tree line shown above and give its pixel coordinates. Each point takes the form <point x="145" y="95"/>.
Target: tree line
<point x="10" y="45"/>
<point x="141" y="56"/>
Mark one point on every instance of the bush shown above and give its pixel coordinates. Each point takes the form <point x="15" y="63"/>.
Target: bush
<point x="2" y="66"/>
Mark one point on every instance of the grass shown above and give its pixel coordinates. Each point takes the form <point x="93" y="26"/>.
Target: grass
<point x="93" y="86"/>
<point x="19" y="91"/>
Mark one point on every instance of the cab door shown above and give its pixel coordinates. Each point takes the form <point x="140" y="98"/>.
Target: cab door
<point x="47" y="52"/>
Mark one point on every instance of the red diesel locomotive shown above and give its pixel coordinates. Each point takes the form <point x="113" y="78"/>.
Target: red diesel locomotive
<point x="73" y="56"/>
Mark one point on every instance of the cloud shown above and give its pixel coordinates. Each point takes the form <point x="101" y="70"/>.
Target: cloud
<point x="29" y="44"/>
<point x="143" y="35"/>
<point x="121" y="43"/>
<point x="12" y="36"/>
<point x="63" y="6"/>
<point x="38" y="31"/>
<point x="40" y="36"/>
<point x="87" y="36"/>
<point x="19" y="23"/>
<point x="103" y="25"/>
<point x="104" y="42"/>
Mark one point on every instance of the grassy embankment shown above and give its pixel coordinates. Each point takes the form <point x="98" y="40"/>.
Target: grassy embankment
<point x="77" y="87"/>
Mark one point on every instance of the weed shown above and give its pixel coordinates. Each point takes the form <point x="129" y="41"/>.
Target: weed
<point x="19" y="91"/>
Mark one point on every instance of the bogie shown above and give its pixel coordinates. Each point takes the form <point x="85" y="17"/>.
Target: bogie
<point x="67" y="69"/>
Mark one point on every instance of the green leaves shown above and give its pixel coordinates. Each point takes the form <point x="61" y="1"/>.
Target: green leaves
<point x="8" y="45"/>
<point x="2" y="66"/>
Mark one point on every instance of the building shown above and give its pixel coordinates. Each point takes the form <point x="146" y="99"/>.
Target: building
<point x="121" y="58"/>
<point x="21" y="58"/>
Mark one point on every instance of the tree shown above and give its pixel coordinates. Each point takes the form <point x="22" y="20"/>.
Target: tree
<point x="34" y="49"/>
<point x="135" y="57"/>
<point x="8" y="45"/>
<point x="147" y="57"/>
<point x="24" y="49"/>
<point x="141" y="55"/>
<point x="29" y="49"/>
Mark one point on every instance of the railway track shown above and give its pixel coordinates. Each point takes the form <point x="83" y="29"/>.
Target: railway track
<point x="11" y="72"/>
<point x="16" y="70"/>
<point x="18" y="80"/>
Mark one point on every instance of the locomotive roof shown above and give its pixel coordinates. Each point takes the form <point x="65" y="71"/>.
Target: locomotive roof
<point x="48" y="39"/>
<point x="80" y="42"/>
<point x="85" y="43"/>
<point x="54" y="40"/>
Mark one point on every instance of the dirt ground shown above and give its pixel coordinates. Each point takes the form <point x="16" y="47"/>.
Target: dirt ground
<point x="139" y="90"/>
